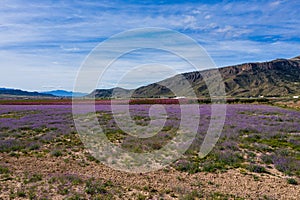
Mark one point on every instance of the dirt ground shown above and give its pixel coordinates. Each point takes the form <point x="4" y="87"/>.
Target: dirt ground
<point x="166" y="184"/>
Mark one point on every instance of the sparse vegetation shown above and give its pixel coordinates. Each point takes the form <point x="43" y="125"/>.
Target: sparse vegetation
<point x="252" y="145"/>
<point x="257" y="169"/>
<point x="292" y="181"/>
<point x="4" y="170"/>
<point x="56" y="153"/>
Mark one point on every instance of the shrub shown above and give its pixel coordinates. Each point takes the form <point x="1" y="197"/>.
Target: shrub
<point x="187" y="166"/>
<point x="287" y="165"/>
<point x="141" y="196"/>
<point x="56" y="153"/>
<point x="213" y="166"/>
<point x="221" y="160"/>
<point x="217" y="195"/>
<point x="267" y="159"/>
<point x="11" y="145"/>
<point x="21" y="193"/>
<point x="257" y="168"/>
<point x="95" y="187"/>
<point x="34" y="178"/>
<point x="75" y="197"/>
<point x="229" y="158"/>
<point x="4" y="170"/>
<point x="74" y="179"/>
<point x="292" y="181"/>
<point x="63" y="190"/>
<point x="34" y="147"/>
<point x="193" y="195"/>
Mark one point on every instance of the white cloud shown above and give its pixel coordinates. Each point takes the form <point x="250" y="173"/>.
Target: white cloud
<point x="207" y="16"/>
<point x="225" y="29"/>
<point x="52" y="38"/>
<point x="275" y="3"/>
<point x="72" y="49"/>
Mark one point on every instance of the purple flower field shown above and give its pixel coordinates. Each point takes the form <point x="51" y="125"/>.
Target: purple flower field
<point x="261" y="118"/>
<point x="259" y="139"/>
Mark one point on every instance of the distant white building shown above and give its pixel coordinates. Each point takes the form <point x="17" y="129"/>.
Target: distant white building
<point x="295" y="97"/>
<point x="180" y="97"/>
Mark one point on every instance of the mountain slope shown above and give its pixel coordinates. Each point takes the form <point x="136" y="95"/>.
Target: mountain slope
<point x="279" y="77"/>
<point x="63" y="93"/>
<point x="109" y="93"/>
<point x="17" y="92"/>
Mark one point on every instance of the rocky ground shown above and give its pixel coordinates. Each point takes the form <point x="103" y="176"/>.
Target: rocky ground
<point x="78" y="178"/>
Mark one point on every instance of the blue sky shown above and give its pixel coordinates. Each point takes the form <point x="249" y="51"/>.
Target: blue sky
<point x="43" y="43"/>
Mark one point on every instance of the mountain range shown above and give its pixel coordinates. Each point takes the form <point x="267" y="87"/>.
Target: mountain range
<point x="8" y="92"/>
<point x="276" y="78"/>
<point x="63" y="93"/>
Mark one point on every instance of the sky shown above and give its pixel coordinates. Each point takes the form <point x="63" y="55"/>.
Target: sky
<point x="44" y="43"/>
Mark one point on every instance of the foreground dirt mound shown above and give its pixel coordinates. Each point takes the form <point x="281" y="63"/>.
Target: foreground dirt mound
<point x="58" y="178"/>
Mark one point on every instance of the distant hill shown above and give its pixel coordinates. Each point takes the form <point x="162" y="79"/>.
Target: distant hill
<point x="280" y="77"/>
<point x="63" y="93"/>
<point x="108" y="93"/>
<point x="16" y="92"/>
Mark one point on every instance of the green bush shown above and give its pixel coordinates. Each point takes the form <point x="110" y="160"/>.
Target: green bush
<point x="34" y="178"/>
<point x="95" y="187"/>
<point x="257" y="168"/>
<point x="4" y="170"/>
<point x="187" y="166"/>
<point x="193" y="195"/>
<point x="56" y="153"/>
<point x="292" y="181"/>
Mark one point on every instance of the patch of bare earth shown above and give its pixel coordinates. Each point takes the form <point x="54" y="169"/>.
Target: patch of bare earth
<point x="167" y="183"/>
<point x="290" y="104"/>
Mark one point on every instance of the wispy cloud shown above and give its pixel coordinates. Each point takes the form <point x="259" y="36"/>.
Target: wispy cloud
<point x="53" y="37"/>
